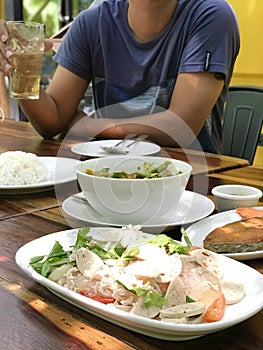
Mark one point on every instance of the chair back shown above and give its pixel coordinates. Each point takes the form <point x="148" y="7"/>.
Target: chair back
<point x="242" y="122"/>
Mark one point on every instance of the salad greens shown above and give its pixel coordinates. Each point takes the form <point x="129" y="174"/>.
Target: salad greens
<point x="151" y="298"/>
<point x="171" y="246"/>
<point x="45" y="264"/>
<point x="58" y="257"/>
<point x="147" y="171"/>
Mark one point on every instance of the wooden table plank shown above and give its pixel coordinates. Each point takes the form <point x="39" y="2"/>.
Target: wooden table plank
<point x="205" y="163"/>
<point x="251" y="176"/>
<point x="22" y="136"/>
<point x="19" y="204"/>
<point x="59" y="319"/>
<point x="14" y="205"/>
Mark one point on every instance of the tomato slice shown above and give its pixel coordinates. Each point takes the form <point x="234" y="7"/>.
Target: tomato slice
<point x="104" y="300"/>
<point x="216" y="310"/>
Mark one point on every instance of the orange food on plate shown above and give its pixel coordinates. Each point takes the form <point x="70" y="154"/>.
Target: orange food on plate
<point x="249" y="212"/>
<point x="241" y="236"/>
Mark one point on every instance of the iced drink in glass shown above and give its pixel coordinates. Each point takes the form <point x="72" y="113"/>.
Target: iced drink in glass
<point x="26" y="40"/>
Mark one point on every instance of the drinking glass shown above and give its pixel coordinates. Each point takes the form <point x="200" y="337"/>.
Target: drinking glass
<point x="26" y="40"/>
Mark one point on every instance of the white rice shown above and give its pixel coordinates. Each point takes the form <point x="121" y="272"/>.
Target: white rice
<point x="21" y="168"/>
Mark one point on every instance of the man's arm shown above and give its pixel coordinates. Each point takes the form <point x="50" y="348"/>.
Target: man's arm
<point x="52" y="113"/>
<point x="193" y="97"/>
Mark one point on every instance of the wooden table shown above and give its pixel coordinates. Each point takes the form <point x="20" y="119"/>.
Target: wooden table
<point x="34" y="318"/>
<point x="205" y="163"/>
<point x="250" y="175"/>
<point x="25" y="138"/>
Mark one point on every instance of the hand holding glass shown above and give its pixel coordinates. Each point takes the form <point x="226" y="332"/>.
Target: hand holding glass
<point x="26" y="40"/>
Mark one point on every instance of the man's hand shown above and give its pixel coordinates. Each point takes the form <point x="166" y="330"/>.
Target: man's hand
<point x="5" y="52"/>
<point x="52" y="44"/>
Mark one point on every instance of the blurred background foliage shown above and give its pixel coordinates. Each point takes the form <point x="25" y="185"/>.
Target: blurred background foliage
<point x="45" y="11"/>
<point x="54" y="14"/>
<point x="49" y="12"/>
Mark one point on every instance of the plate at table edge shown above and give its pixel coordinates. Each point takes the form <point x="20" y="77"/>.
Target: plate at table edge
<point x="61" y="170"/>
<point x="92" y="148"/>
<point x="246" y="308"/>
<point x="193" y="206"/>
<point x="198" y="231"/>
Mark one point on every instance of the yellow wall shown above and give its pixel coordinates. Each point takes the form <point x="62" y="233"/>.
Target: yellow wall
<point x="249" y="64"/>
<point x="2" y="9"/>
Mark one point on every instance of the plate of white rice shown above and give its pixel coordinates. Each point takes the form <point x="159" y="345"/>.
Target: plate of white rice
<point x="25" y="172"/>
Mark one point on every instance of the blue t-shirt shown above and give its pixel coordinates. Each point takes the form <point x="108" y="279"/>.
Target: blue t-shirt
<point x="131" y="78"/>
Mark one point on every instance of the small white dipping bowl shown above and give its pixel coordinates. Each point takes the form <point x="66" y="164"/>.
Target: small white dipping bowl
<point x="229" y="197"/>
<point x="132" y="201"/>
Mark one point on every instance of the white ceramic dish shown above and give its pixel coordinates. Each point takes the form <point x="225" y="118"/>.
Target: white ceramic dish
<point x="236" y="196"/>
<point x="198" y="231"/>
<point x="133" y="200"/>
<point x="61" y="170"/>
<point x="192" y="207"/>
<point x="247" y="307"/>
<point x="93" y="148"/>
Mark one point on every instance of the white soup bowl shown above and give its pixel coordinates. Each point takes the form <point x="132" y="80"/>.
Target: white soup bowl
<point x="132" y="201"/>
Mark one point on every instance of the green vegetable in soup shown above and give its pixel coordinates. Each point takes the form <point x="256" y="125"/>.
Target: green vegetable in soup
<point x="147" y="171"/>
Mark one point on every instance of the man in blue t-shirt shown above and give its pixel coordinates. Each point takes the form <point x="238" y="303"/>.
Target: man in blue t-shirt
<point x="159" y="67"/>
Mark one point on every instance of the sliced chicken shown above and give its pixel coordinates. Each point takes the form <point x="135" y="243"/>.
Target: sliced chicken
<point x="207" y="259"/>
<point x="111" y="235"/>
<point x="184" y="310"/>
<point x="149" y="251"/>
<point x="180" y="320"/>
<point x="157" y="265"/>
<point x="233" y="291"/>
<point x="139" y="308"/>
<point x="87" y="260"/>
<point x="175" y="294"/>
<point x="200" y="283"/>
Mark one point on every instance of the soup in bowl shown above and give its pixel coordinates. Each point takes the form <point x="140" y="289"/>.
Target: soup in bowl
<point x="131" y="189"/>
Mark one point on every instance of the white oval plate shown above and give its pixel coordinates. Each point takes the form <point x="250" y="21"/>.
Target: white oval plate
<point x="198" y="231"/>
<point x="193" y="206"/>
<point x="92" y="148"/>
<point x="246" y="308"/>
<point x="61" y="170"/>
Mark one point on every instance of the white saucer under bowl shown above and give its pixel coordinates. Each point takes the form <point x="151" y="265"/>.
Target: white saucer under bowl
<point x="193" y="207"/>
